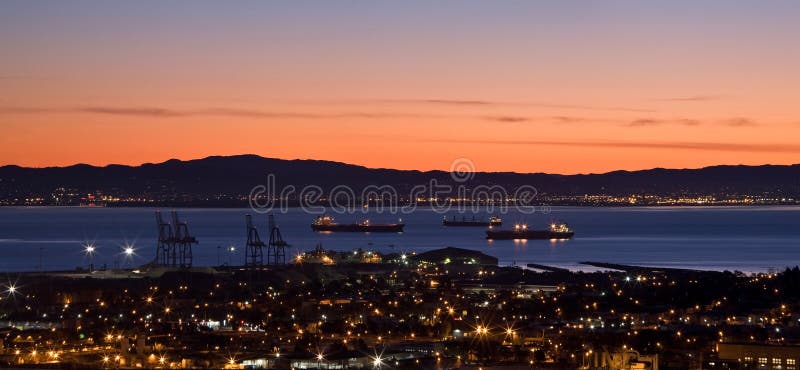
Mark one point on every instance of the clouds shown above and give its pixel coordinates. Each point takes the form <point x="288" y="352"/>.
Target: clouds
<point x="457" y="102"/>
<point x="156" y="112"/>
<point x="525" y="104"/>
<point x="733" y="122"/>
<point x="729" y="122"/>
<point x="644" y="122"/>
<point x="740" y="122"/>
<point x="673" y="145"/>
<point x="512" y="119"/>
<point x="139" y="112"/>
<point x="160" y="112"/>
<point x="693" y="98"/>
<point x="549" y="119"/>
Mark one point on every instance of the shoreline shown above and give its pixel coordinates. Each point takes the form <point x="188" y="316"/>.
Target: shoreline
<point x="589" y="267"/>
<point x="421" y="208"/>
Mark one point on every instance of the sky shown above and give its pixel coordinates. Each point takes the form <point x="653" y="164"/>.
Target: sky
<point x="528" y="86"/>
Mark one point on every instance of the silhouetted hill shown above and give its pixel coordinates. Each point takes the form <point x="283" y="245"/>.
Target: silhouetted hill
<point x="220" y="177"/>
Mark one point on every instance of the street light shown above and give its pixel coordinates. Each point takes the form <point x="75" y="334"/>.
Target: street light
<point x="129" y="251"/>
<point x="11" y="289"/>
<point x="232" y="250"/>
<point x="377" y="361"/>
<point x="89" y="249"/>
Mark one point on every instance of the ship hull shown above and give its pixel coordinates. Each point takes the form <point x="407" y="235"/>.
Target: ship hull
<point x="358" y="228"/>
<point x="527" y="234"/>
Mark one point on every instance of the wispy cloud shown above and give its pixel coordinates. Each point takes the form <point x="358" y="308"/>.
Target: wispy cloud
<point x="730" y="122"/>
<point x="508" y="119"/>
<point x="458" y="102"/>
<point x="235" y="112"/>
<point x="712" y="146"/>
<point x="146" y="112"/>
<point x="639" y="122"/>
<point x="551" y="119"/>
<point x="166" y="113"/>
<point x="463" y="102"/>
<point x="643" y="122"/>
<point x="693" y="98"/>
<point x="158" y="112"/>
<point x="162" y="112"/>
<point x="570" y="119"/>
<point x="739" y="122"/>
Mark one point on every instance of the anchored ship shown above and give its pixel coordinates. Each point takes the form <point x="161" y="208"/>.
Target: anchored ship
<point x="493" y="221"/>
<point x="326" y="223"/>
<point x="557" y="230"/>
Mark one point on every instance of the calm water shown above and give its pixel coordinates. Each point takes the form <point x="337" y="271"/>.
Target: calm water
<point x="746" y="239"/>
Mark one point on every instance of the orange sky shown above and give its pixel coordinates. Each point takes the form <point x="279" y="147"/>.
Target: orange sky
<point x="512" y="87"/>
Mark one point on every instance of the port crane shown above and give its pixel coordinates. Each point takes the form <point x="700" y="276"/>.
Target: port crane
<point x="276" y="248"/>
<point x="174" y="246"/>
<point x="254" y="250"/>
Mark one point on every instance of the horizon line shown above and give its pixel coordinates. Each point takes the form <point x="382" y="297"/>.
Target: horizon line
<point x="386" y="168"/>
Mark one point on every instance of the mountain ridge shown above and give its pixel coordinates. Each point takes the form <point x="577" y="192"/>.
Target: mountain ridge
<point x="176" y="160"/>
<point x="235" y="176"/>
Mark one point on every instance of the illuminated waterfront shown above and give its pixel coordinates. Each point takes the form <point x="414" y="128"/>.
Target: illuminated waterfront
<point x="442" y="309"/>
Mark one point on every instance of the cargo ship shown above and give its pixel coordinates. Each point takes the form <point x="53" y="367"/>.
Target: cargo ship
<point x="493" y="221"/>
<point x="521" y="231"/>
<point x="326" y="223"/>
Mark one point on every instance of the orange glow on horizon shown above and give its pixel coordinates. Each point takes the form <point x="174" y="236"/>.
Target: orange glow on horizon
<point x="557" y="87"/>
<point x="401" y="139"/>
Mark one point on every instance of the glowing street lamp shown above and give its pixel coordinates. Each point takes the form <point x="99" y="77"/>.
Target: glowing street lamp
<point x="320" y="357"/>
<point x="128" y="251"/>
<point x="377" y="362"/>
<point x="11" y="289"/>
<point x="89" y="249"/>
<point x="231" y="251"/>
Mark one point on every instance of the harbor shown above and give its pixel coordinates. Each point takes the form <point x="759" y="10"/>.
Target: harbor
<point x="53" y="238"/>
